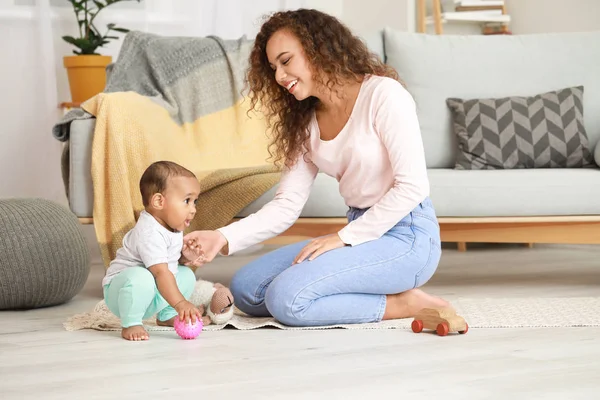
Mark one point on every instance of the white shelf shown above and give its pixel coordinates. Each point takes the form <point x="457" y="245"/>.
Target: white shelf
<point x="478" y="3"/>
<point x="470" y="17"/>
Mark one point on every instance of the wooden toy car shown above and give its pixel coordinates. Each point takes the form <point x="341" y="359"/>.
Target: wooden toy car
<point x="442" y="320"/>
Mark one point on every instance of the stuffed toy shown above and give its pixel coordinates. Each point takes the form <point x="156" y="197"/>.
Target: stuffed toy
<point x="214" y="301"/>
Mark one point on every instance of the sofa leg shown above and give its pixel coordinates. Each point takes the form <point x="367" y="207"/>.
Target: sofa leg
<point x="530" y="245"/>
<point x="462" y="246"/>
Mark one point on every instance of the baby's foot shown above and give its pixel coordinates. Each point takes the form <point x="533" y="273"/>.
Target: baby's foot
<point x="169" y="322"/>
<point x="135" y="333"/>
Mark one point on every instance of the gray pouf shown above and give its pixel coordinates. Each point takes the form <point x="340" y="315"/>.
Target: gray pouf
<point x="44" y="258"/>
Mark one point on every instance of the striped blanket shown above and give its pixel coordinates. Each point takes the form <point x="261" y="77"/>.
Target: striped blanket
<point x="178" y="99"/>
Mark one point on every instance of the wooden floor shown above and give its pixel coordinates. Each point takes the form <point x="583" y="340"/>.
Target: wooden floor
<point x="39" y="360"/>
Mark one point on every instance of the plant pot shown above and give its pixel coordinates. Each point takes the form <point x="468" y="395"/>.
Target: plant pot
<point x="87" y="75"/>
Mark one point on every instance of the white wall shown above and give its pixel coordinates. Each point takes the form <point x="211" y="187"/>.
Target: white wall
<point x="332" y="7"/>
<point x="28" y="153"/>
<point x="370" y="15"/>
<point x="534" y="16"/>
<point x="541" y="16"/>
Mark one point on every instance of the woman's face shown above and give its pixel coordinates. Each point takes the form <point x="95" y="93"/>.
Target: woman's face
<point x="287" y="59"/>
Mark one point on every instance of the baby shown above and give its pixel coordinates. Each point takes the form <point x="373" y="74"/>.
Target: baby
<point x="147" y="277"/>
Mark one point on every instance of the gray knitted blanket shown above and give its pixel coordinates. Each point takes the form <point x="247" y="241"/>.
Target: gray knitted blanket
<point x="189" y="76"/>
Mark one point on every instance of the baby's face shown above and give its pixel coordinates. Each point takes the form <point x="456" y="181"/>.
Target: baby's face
<point x="180" y="202"/>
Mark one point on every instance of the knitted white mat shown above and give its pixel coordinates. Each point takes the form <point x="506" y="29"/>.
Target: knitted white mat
<point x="479" y="313"/>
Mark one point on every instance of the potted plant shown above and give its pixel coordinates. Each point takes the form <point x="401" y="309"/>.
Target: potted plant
<point x="87" y="69"/>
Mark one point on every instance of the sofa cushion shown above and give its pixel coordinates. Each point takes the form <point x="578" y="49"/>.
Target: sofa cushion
<point x="436" y="67"/>
<point x="80" y="186"/>
<point x="526" y="192"/>
<point x="324" y="200"/>
<point x="542" y="131"/>
<point x="483" y="193"/>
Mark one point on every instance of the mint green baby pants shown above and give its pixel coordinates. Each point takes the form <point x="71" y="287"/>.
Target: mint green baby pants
<point x="132" y="295"/>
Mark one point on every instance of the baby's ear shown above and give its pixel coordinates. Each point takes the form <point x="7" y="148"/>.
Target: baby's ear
<point x="157" y="201"/>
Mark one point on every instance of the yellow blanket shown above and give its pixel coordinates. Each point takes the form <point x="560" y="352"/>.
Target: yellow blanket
<point x="226" y="150"/>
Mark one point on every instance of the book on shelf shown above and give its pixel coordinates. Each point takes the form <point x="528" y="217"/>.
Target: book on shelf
<point x="495" y="29"/>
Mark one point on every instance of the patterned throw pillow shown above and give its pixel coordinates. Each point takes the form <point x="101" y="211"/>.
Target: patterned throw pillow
<point x="542" y="131"/>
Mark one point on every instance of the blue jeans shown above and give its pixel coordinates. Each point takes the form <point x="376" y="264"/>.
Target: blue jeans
<point x="346" y="285"/>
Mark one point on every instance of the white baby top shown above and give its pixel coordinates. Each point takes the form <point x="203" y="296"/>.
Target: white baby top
<point x="147" y="244"/>
<point x="378" y="159"/>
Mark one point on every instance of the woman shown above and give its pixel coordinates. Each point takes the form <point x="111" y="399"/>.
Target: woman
<point x="335" y="107"/>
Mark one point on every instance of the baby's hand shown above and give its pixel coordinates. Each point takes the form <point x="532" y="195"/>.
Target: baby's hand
<point x="193" y="253"/>
<point x="188" y="312"/>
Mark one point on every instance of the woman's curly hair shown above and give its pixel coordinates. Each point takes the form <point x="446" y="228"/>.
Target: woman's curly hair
<point x="333" y="53"/>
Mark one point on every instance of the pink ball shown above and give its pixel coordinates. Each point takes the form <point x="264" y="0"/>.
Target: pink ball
<point x="188" y="330"/>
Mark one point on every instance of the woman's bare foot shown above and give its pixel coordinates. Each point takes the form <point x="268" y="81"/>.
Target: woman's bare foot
<point x="407" y="304"/>
<point x="135" y="333"/>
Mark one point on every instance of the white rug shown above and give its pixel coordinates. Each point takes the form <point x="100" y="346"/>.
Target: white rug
<point x="479" y="313"/>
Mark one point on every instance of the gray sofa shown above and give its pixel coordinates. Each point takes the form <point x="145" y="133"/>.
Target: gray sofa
<point x="435" y="68"/>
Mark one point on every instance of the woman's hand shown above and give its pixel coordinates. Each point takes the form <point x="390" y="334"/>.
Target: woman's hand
<point x="318" y="246"/>
<point x="211" y="242"/>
